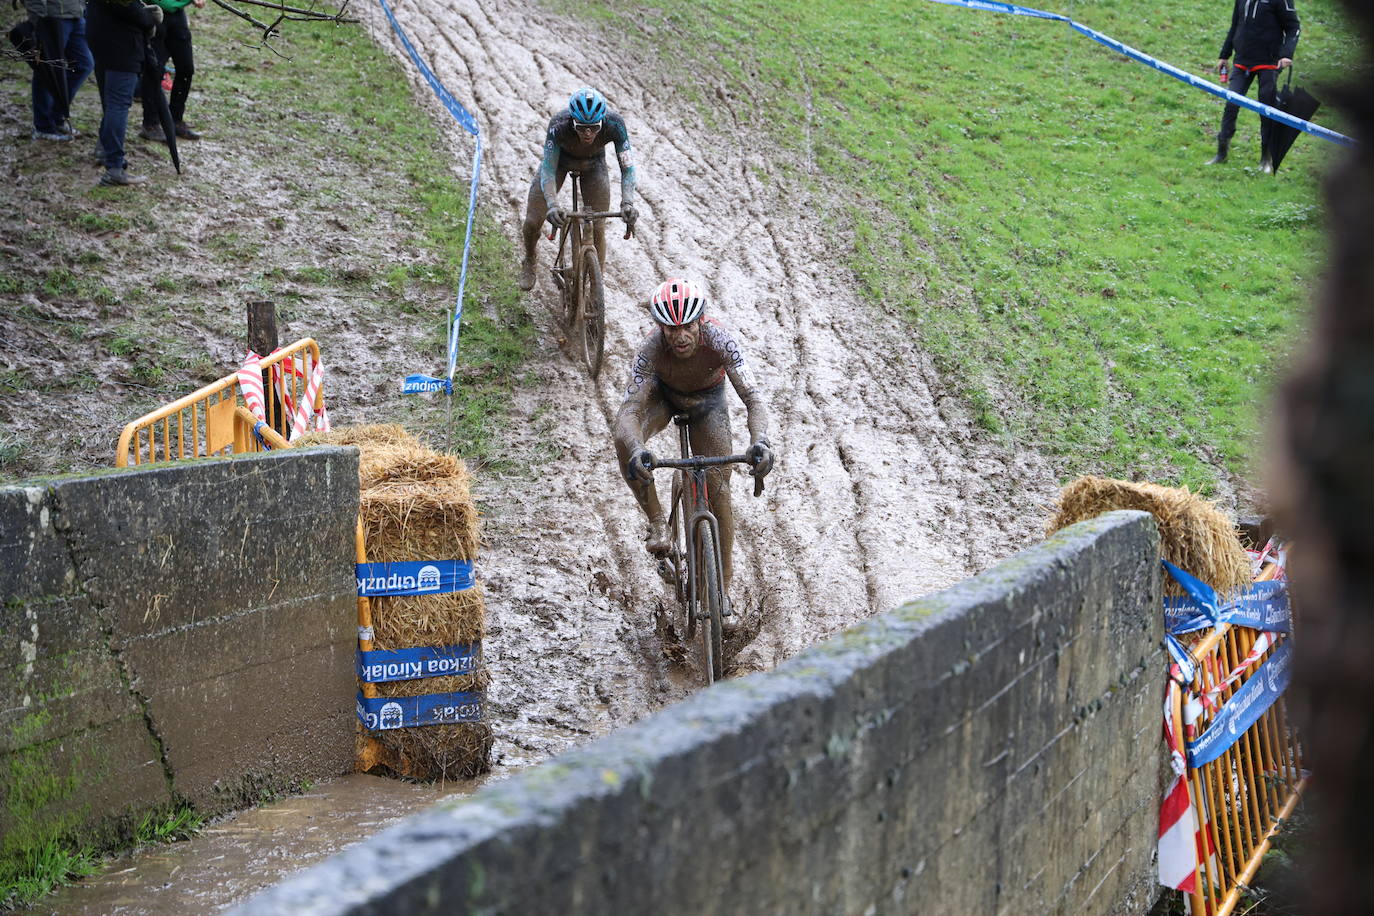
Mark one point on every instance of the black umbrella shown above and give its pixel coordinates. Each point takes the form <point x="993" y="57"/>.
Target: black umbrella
<point x="153" y="95"/>
<point x="1298" y="102"/>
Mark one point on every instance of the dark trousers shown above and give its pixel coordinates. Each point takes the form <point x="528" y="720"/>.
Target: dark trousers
<point x="117" y="89"/>
<point x="1239" y="83"/>
<point x="62" y="43"/>
<point x="173" y="40"/>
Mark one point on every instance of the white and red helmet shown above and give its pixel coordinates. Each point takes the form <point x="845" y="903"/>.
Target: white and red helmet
<point x="677" y="302"/>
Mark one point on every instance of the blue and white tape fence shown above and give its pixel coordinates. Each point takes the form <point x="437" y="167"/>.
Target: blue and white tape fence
<point x="415" y="577"/>
<point x="1197" y="82"/>
<point x="380" y="666"/>
<point x="1244" y="708"/>
<point x="468" y="123"/>
<point x="1262" y="606"/>
<point x="383" y="713"/>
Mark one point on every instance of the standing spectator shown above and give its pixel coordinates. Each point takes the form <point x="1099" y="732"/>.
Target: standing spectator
<point x="118" y="32"/>
<point x="173" y="39"/>
<point x="1264" y="36"/>
<point x="60" y="32"/>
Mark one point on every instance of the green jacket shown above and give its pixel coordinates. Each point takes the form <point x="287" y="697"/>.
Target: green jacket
<point x="172" y="6"/>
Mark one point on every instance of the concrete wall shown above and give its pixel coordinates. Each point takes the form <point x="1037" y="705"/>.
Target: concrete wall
<point x="184" y="632"/>
<point x="990" y="749"/>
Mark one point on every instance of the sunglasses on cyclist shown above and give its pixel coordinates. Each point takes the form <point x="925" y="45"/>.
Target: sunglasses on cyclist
<point x="594" y="126"/>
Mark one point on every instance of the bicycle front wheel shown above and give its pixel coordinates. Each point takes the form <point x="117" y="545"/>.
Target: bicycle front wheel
<point x="710" y="602"/>
<point x="592" y="311"/>
<point x="571" y="289"/>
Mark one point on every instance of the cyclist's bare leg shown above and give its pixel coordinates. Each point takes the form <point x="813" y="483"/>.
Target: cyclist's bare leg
<point x="710" y="434"/>
<point x="536" y="208"/>
<point x="596" y="191"/>
<point x="656" y="417"/>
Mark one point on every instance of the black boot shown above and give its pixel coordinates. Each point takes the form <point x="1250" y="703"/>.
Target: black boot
<point x="1223" y="147"/>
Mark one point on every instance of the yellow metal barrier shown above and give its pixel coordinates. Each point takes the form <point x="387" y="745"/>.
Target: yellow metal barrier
<point x="1244" y="795"/>
<point x="205" y="423"/>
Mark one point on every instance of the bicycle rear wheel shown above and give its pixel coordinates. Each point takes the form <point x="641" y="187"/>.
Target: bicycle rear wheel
<point x="710" y="602"/>
<point x="592" y="311"/>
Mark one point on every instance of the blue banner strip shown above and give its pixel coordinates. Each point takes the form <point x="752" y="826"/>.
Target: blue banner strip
<point x="380" y="666"/>
<point x="468" y="123"/>
<point x="1262" y="606"/>
<point x="382" y="713"/>
<point x="1196" y="82"/>
<point x="417" y="383"/>
<point x="420" y="577"/>
<point x="1243" y="709"/>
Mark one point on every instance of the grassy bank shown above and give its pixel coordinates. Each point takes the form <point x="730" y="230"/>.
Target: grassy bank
<point x="321" y="184"/>
<point x="1037" y="205"/>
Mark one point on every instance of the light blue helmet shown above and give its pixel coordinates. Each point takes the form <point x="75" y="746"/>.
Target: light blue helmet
<point x="587" y="105"/>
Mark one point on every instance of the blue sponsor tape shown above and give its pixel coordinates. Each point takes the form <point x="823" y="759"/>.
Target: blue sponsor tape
<point x="380" y="666"/>
<point x="419" y="384"/>
<point x="1196" y="82"/>
<point x="383" y="713"/>
<point x="468" y="123"/>
<point x="417" y="577"/>
<point x="1261" y="606"/>
<point x="1244" y="708"/>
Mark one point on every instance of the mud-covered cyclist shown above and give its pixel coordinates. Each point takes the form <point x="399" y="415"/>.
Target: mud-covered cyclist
<point x="576" y="140"/>
<point x="681" y="368"/>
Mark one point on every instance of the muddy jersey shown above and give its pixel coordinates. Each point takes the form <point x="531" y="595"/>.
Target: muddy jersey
<point x="656" y="372"/>
<point x="562" y="143"/>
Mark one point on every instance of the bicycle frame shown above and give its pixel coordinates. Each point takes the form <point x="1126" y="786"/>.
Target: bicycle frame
<point x="568" y="275"/>
<point x="692" y="484"/>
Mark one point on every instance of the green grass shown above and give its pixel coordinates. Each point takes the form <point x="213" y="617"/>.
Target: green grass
<point x="1036" y="204"/>
<point x="357" y="102"/>
<point x="44" y="868"/>
<point x="179" y="823"/>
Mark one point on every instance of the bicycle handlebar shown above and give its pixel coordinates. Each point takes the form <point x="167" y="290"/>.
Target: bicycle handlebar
<point x="589" y="215"/>
<point x="700" y="462"/>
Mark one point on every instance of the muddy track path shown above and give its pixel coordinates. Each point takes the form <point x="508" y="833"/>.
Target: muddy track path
<point x="879" y="495"/>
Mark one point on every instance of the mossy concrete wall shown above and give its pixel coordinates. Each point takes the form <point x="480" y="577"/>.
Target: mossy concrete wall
<point x="180" y="633"/>
<point x="991" y="749"/>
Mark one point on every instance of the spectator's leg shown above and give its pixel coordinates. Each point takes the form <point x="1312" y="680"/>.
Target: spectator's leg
<point x="79" y="59"/>
<point x="117" y="96"/>
<point x="1238" y="83"/>
<point x="178" y="45"/>
<point x="49" y="114"/>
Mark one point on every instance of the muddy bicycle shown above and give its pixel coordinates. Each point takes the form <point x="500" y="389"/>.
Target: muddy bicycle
<point x="582" y="299"/>
<point x="693" y="563"/>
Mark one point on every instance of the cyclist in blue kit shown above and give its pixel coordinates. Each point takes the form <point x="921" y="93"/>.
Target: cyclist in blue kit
<point x="576" y="141"/>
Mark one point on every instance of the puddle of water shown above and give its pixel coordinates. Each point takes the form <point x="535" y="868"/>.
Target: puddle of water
<point x="231" y="860"/>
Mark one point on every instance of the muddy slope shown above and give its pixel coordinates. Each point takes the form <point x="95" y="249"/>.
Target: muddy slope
<point x="882" y="492"/>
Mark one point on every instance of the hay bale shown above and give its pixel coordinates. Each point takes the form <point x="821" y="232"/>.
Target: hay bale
<point x="416" y="504"/>
<point x="1194" y="535"/>
<point x="386" y="452"/>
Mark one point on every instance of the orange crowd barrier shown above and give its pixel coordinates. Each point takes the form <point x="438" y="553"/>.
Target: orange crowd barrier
<point x="206" y="422"/>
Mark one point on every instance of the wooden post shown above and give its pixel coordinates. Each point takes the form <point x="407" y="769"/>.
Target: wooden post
<point x="262" y="327"/>
<point x="262" y="340"/>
